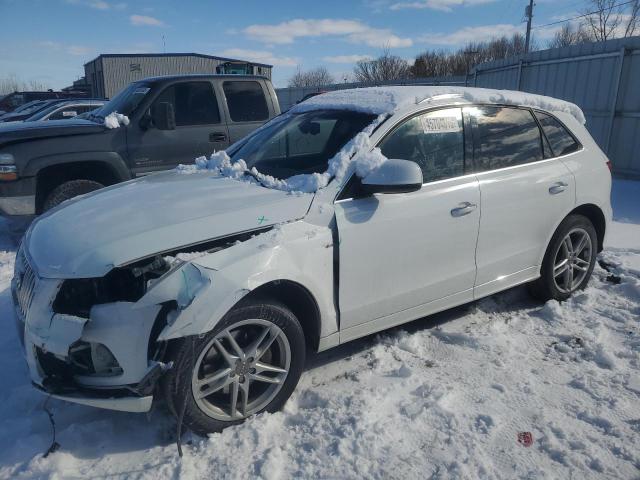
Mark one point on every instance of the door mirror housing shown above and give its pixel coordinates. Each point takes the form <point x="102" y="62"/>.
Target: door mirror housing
<point x="393" y="176"/>
<point x="163" y="116"/>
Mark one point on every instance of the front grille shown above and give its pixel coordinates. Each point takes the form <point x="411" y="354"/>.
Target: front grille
<point x="26" y="283"/>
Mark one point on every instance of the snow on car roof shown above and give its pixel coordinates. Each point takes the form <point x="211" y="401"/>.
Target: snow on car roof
<point x="381" y="100"/>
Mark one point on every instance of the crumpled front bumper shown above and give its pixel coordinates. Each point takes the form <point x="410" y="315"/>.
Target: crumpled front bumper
<point x="46" y="339"/>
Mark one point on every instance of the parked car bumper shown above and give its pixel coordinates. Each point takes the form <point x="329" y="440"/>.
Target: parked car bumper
<point x="18" y="197"/>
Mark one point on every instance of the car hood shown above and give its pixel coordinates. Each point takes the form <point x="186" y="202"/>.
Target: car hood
<point x="88" y="236"/>
<point x="11" y="132"/>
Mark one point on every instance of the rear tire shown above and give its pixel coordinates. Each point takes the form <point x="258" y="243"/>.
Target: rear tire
<point x="68" y="190"/>
<point x="209" y="370"/>
<point x="568" y="261"/>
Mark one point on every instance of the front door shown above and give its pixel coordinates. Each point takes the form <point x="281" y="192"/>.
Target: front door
<point x="199" y="131"/>
<point x="403" y="256"/>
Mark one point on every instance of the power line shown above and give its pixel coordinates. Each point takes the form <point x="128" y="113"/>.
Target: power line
<point x="585" y="14"/>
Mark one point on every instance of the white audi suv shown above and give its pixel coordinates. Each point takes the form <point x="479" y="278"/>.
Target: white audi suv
<point x="355" y="211"/>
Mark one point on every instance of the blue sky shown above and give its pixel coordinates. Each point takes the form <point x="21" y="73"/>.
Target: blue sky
<point x="50" y="40"/>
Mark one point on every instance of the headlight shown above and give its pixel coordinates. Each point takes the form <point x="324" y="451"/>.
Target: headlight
<point x="8" y="172"/>
<point x="7" y="159"/>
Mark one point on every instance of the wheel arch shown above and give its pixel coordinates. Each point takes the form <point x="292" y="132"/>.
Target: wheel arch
<point x="51" y="176"/>
<point x="596" y="217"/>
<point x="298" y="299"/>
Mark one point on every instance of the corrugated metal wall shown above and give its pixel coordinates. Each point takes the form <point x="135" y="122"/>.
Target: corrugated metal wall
<point x="110" y="74"/>
<point x="288" y="97"/>
<point x="602" y="78"/>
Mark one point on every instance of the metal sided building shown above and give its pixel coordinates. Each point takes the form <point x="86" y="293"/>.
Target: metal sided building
<point x="107" y="74"/>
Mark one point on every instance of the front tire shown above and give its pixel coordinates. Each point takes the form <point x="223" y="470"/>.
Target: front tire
<point x="568" y="261"/>
<point x="250" y="363"/>
<point x="68" y="190"/>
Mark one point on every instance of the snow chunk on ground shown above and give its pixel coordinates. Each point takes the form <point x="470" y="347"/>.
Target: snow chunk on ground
<point x="115" y="119"/>
<point x="379" y="100"/>
<point x="354" y="155"/>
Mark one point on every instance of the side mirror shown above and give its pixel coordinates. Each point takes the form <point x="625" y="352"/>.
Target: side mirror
<point x="163" y="116"/>
<point x="393" y="176"/>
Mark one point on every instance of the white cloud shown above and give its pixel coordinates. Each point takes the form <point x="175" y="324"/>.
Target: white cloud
<point x="98" y="4"/>
<point x="352" y="30"/>
<point x="260" y="56"/>
<point x="442" y="5"/>
<point x="471" y="34"/>
<point x="145" y="21"/>
<point x="78" y="50"/>
<point x="346" y="58"/>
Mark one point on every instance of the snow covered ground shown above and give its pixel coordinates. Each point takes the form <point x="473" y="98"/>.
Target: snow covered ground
<point x="442" y="397"/>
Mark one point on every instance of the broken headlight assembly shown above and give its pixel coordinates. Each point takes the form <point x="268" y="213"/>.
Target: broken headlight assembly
<point x="128" y="283"/>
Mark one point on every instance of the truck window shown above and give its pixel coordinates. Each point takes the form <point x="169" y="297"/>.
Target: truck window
<point x="194" y="103"/>
<point x="246" y="101"/>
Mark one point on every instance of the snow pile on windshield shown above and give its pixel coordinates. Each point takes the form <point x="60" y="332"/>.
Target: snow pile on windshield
<point x="355" y="155"/>
<point x="379" y="100"/>
<point x="115" y="119"/>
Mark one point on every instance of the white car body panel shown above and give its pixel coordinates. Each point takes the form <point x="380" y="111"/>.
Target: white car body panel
<point x="518" y="212"/>
<point x="398" y="257"/>
<point x="387" y="240"/>
<point x="152" y="214"/>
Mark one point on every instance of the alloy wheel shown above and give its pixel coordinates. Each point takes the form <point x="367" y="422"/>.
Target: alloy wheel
<point x="241" y="370"/>
<point x="572" y="260"/>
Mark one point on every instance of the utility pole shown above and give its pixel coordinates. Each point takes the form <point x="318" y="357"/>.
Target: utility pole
<point x="528" y="12"/>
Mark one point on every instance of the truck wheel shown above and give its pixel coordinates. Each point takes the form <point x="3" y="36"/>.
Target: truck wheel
<point x="68" y="190"/>
<point x="250" y="363"/>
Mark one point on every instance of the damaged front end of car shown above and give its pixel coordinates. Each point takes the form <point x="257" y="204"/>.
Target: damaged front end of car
<point x="96" y="341"/>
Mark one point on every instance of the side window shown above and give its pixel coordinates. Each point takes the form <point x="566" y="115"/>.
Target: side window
<point x="503" y="137"/>
<point x="562" y="142"/>
<point x="434" y="140"/>
<point x="194" y="103"/>
<point x="246" y="101"/>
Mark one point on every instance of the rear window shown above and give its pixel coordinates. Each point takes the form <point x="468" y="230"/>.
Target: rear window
<point x="561" y="141"/>
<point x="246" y="101"/>
<point x="504" y="137"/>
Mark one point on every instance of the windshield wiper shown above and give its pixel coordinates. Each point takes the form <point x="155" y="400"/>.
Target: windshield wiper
<point x="255" y="177"/>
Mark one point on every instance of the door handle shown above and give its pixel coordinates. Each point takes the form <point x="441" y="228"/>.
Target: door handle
<point x="217" y="137"/>
<point x="557" y="187"/>
<point x="465" y="208"/>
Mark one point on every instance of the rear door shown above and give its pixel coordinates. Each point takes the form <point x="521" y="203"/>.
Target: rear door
<point x="200" y="129"/>
<point x="248" y="106"/>
<point x="525" y="193"/>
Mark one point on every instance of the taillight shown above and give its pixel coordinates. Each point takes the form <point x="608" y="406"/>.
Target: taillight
<point x="609" y="165"/>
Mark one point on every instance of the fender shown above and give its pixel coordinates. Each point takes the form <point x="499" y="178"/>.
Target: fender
<point x="225" y="277"/>
<point x="111" y="159"/>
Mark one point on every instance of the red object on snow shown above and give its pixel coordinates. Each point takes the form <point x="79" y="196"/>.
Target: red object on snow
<point x="525" y="438"/>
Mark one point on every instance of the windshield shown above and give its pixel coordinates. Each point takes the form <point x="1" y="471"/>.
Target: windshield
<point x="28" y="106"/>
<point x="124" y="102"/>
<point x="295" y="144"/>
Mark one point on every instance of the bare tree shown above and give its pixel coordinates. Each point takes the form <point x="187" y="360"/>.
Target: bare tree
<point x="386" y="67"/>
<point x="11" y="83"/>
<point x="569" y="35"/>
<point x="439" y="63"/>
<point x="317" y="77"/>
<point x="633" y="22"/>
<point x="605" y="19"/>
